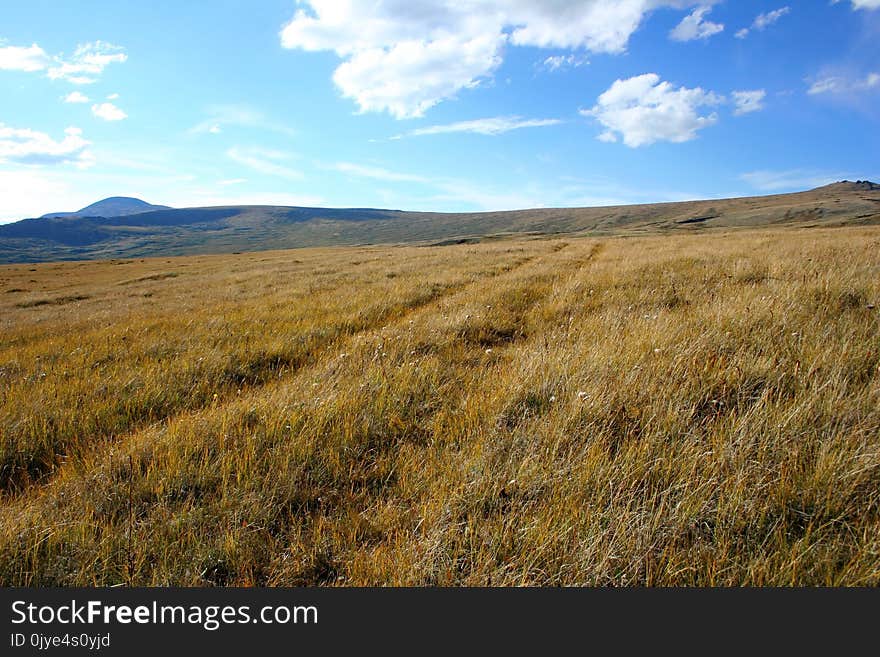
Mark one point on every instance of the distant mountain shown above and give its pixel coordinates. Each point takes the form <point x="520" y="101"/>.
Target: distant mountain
<point x="857" y="186"/>
<point x="115" y="206"/>
<point x="183" y="231"/>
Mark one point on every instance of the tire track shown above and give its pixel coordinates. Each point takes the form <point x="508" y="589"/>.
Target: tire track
<point x="259" y="370"/>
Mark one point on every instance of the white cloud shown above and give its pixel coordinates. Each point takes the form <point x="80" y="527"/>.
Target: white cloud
<point x="448" y="190"/>
<point x="828" y="85"/>
<point x="793" y="179"/>
<point x="18" y="58"/>
<point x="838" y="84"/>
<point x="644" y="110"/>
<point x="76" y="97"/>
<point x="600" y="26"/>
<point x="220" y="116"/>
<point x="25" y="146"/>
<point x="489" y="126"/>
<point x="264" y="161"/>
<point x="87" y="62"/>
<point x="763" y="21"/>
<point x="108" y="112"/>
<point x="559" y="62"/>
<point x="459" y="192"/>
<point x="862" y="4"/>
<point x="404" y="57"/>
<point x="456" y="194"/>
<point x="112" y="96"/>
<point x="31" y="192"/>
<point x="694" y="27"/>
<point x="188" y="198"/>
<point x="603" y="191"/>
<point x="377" y="173"/>
<point x="748" y="101"/>
<point x="413" y="76"/>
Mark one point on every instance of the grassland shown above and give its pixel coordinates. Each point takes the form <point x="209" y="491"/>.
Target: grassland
<point x="691" y="409"/>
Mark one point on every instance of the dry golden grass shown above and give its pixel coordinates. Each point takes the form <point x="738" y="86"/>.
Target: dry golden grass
<point x="689" y="410"/>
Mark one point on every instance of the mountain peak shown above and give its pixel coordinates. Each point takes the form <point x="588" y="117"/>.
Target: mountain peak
<point x="113" y="206"/>
<point x="850" y="186"/>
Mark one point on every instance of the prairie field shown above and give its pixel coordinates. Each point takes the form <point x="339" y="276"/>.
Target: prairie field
<point x="688" y="409"/>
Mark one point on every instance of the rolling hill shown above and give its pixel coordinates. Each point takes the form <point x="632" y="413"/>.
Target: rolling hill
<point x="183" y="231"/>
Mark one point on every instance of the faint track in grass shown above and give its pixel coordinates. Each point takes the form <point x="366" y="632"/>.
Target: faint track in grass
<point x="25" y="472"/>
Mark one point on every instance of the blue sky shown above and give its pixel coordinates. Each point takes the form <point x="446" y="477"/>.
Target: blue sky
<point x="425" y="105"/>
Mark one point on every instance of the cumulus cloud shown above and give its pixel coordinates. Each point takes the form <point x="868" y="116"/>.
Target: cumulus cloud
<point x="265" y="161"/>
<point x="763" y="21"/>
<point x="108" y="112"/>
<point x="87" y="62"/>
<point x="84" y="66"/>
<point x="492" y="126"/>
<point x="838" y="84"/>
<point x="18" y="58"/>
<point x="25" y="146"/>
<point x="412" y="76"/>
<point x="404" y="57"/>
<point x="693" y="26"/>
<point x="76" y="97"/>
<point x="748" y="101"/>
<point x="644" y="110"/>
<point x="596" y="25"/>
